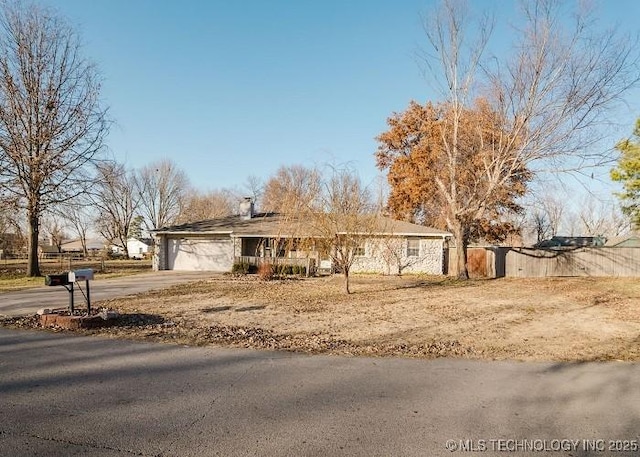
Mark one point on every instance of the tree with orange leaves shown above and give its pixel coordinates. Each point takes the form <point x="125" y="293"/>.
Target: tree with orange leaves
<point x="468" y="186"/>
<point x="545" y="104"/>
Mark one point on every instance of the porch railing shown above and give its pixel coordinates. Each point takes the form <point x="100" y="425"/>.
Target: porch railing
<point x="309" y="264"/>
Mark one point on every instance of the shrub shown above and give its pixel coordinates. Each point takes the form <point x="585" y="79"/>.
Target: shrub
<point x="240" y="268"/>
<point x="291" y="270"/>
<point x="111" y="255"/>
<point x="265" y="272"/>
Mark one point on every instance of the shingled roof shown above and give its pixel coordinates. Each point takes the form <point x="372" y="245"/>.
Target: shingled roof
<point x="279" y="225"/>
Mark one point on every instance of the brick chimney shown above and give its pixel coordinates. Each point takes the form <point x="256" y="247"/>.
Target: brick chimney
<point x="246" y="208"/>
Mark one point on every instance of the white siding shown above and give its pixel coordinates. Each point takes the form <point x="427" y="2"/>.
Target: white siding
<point x="200" y="254"/>
<point x="136" y="248"/>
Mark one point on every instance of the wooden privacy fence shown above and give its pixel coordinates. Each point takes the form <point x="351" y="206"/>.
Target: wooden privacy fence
<point x="481" y="262"/>
<point x="587" y="261"/>
<point x="492" y="262"/>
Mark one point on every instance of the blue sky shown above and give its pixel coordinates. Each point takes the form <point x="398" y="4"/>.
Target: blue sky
<point x="234" y="88"/>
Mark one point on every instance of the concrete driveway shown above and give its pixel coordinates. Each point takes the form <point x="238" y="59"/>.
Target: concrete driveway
<point x="28" y="301"/>
<point x="65" y="395"/>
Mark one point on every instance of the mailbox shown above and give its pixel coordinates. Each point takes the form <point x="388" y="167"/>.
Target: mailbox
<point x="85" y="274"/>
<point x="57" y="280"/>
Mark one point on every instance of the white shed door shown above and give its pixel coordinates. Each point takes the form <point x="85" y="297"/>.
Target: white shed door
<point x="192" y="254"/>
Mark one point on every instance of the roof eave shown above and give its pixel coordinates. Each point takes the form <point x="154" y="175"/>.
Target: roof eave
<point x="182" y="232"/>
<point x="417" y="234"/>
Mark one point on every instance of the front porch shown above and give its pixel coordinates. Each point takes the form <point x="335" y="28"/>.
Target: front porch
<point x="278" y="252"/>
<point x="306" y="264"/>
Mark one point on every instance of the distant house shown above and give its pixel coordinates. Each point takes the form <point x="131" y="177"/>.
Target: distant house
<point x="94" y="246"/>
<point x="47" y="250"/>
<point x="571" y="242"/>
<point x="216" y="244"/>
<point x="139" y="248"/>
<point x="10" y="244"/>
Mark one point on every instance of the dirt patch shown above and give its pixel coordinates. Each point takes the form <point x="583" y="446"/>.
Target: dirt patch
<point x="522" y="319"/>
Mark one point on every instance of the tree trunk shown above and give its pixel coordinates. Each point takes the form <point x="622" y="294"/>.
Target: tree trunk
<point x="125" y="248"/>
<point x="461" y="251"/>
<point x="83" y="242"/>
<point x="346" y="280"/>
<point x="33" y="266"/>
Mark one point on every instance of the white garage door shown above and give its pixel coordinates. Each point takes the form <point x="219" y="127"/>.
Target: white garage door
<point x="193" y="254"/>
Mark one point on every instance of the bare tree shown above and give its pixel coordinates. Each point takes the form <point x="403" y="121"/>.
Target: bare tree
<point x="199" y="207"/>
<point x="540" y="226"/>
<point x="162" y="189"/>
<point x="254" y="187"/>
<point x="552" y="95"/>
<point x="546" y="213"/>
<point x="51" y="122"/>
<point x="325" y="212"/>
<point x="596" y="217"/>
<point x="80" y="218"/>
<point x="10" y="213"/>
<point x="54" y="229"/>
<point x="5" y="222"/>
<point x="342" y="218"/>
<point x="11" y="227"/>
<point x="554" y="208"/>
<point x="291" y="189"/>
<point x="117" y="201"/>
<point x="560" y="212"/>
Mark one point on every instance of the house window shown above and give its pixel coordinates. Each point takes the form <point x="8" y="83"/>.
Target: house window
<point x="359" y="250"/>
<point x="413" y="247"/>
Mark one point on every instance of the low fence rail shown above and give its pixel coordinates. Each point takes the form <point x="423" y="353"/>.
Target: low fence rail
<point x="307" y="263"/>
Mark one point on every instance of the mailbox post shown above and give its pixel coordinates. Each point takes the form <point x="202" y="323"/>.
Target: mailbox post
<point x="67" y="280"/>
<point x="85" y="275"/>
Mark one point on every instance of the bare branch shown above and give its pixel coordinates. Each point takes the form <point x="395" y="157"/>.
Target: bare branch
<point x="52" y="125"/>
<point x="116" y="198"/>
<point x="544" y="106"/>
<point x="162" y="189"/>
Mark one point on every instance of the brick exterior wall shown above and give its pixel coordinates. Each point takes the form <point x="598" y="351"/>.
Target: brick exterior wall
<point x="237" y="246"/>
<point x="382" y="255"/>
<point x="159" y="257"/>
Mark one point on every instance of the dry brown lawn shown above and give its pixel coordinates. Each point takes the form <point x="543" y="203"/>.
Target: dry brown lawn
<point x="570" y="319"/>
<point x="12" y="272"/>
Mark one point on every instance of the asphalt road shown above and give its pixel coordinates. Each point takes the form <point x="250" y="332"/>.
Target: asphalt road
<point x="64" y="395"/>
<point x="28" y="301"/>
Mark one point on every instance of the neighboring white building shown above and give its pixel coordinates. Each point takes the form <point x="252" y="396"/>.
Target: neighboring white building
<point x="139" y="248"/>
